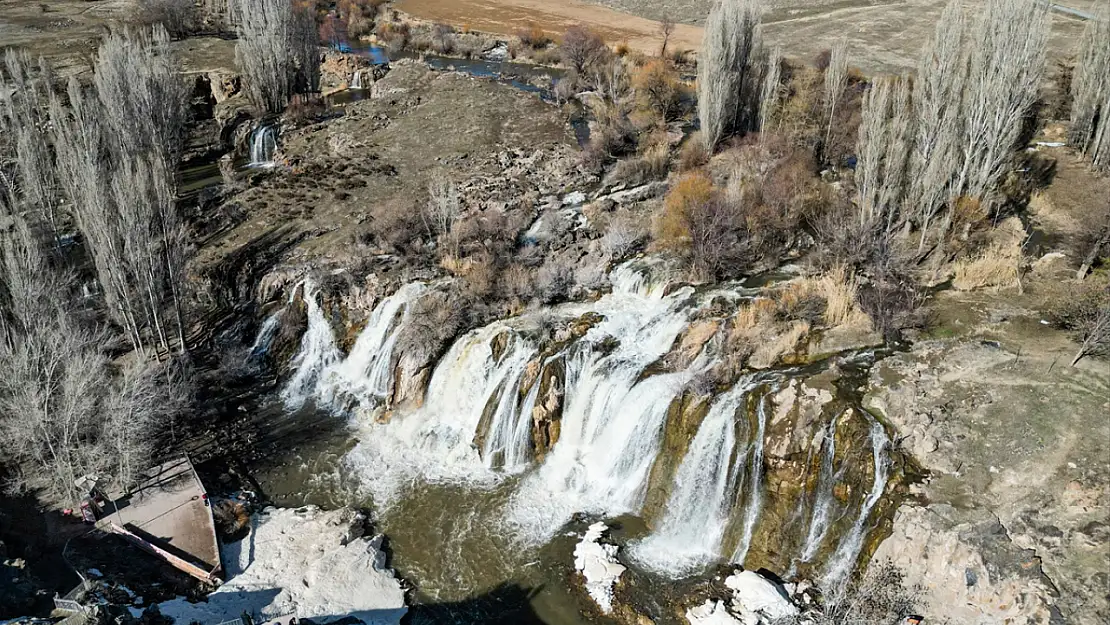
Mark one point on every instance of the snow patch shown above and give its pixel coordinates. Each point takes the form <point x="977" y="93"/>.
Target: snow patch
<point x="303" y="562"/>
<point x="753" y="593"/>
<point x="711" y="613"/>
<point x="598" y="564"/>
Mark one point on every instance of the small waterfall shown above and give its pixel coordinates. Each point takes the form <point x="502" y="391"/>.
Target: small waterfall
<point x="365" y="376"/>
<point x="507" y="443"/>
<point x="689" y="536"/>
<point x="265" y="337"/>
<point x="824" y="502"/>
<point x="317" y="352"/>
<point x="842" y="562"/>
<point x="755" y="485"/>
<point x="263" y="144"/>
<point x="356" y="79"/>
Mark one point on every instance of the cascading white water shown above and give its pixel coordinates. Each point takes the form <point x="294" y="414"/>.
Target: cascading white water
<point x="823" y="502"/>
<point x="265" y="337"/>
<point x="693" y="525"/>
<point x="263" y="144"/>
<point x="365" y="377"/>
<point x="755" y="485"/>
<point x="317" y="352"/>
<point x="841" y="564"/>
<point x="356" y="79"/>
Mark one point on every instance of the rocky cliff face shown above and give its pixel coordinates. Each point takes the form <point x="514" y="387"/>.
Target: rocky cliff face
<point x="1011" y="526"/>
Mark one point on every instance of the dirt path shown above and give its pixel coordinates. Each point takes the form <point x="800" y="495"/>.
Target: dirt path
<point x="506" y="17"/>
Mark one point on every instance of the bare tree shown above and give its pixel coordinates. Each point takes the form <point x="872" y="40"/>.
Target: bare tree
<point x="666" y="28"/>
<point x="771" y="93"/>
<point x="836" y="81"/>
<point x="24" y="122"/>
<point x="442" y="210"/>
<point x="729" y="70"/>
<point x="1090" y="116"/>
<point x="276" y="51"/>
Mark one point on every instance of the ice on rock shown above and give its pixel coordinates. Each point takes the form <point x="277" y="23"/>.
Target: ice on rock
<point x="598" y="564"/>
<point x="752" y="592"/>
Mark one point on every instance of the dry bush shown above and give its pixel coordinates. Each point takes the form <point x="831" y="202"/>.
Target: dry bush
<point x="651" y="164"/>
<point x="659" y="89"/>
<point x="754" y="314"/>
<point x="613" y="136"/>
<point x="672" y="226"/>
<point x="1085" y="310"/>
<point x="830" y="298"/>
<point x="397" y="225"/>
<point x="533" y="36"/>
<point x="693" y="153"/>
<point x="622" y="49"/>
<point x="555" y="279"/>
<point x="393" y="35"/>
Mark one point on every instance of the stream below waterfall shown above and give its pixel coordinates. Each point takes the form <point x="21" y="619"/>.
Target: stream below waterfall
<point x="483" y="523"/>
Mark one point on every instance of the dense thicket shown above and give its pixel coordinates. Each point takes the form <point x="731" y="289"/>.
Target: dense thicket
<point x="65" y="410"/>
<point x="116" y="148"/>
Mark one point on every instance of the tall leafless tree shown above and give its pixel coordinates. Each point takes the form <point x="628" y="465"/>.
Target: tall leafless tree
<point x="276" y="51"/>
<point x="771" y="91"/>
<point x="730" y="70"/>
<point x="836" y="81"/>
<point x="938" y="91"/>
<point x="1090" y="116"/>
<point x="885" y="142"/>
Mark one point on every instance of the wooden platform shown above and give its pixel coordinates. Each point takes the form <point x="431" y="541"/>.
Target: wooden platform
<point x="169" y="512"/>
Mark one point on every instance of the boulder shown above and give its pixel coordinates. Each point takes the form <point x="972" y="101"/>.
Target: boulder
<point x="712" y="613"/>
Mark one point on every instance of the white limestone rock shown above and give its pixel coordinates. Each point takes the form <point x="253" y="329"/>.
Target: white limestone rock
<point x="754" y="593"/>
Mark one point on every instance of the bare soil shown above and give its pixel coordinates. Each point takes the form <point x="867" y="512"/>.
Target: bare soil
<point x="884" y="36"/>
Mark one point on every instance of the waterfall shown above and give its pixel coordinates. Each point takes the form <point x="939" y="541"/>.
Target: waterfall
<point x="823" y="502"/>
<point x="263" y="144"/>
<point x="356" y="79"/>
<point x="842" y="562"/>
<point x="317" y="352"/>
<point x="265" y="336"/>
<point x="365" y="376"/>
<point x="755" y="485"/>
<point x="689" y="536"/>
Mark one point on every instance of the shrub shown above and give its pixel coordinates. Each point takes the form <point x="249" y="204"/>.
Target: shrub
<point x="397" y="224"/>
<point x="672" y="226"/>
<point x="651" y="164"/>
<point x="624" y="234"/>
<point x="533" y="36"/>
<point x="997" y="266"/>
<point x="659" y="89"/>
<point x="554" y="279"/>
<point x="1085" y="310"/>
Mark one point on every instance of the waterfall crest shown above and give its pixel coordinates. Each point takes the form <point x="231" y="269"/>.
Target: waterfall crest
<point x="697" y="513"/>
<point x="365" y="377"/>
<point x="317" y="352"/>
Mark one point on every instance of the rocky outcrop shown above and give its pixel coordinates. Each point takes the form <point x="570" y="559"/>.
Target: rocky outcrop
<point x="597" y="562"/>
<point x="1014" y="528"/>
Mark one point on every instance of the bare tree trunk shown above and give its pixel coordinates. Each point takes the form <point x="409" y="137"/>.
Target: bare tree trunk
<point x="728" y="70"/>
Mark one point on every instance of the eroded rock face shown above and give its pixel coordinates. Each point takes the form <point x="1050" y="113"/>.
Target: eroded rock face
<point x="1015" y="527"/>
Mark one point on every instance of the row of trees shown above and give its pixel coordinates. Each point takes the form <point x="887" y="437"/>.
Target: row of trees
<point x="277" y="51"/>
<point x="99" y="158"/>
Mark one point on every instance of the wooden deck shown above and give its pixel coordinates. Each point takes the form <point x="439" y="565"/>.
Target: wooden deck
<point x="170" y="513"/>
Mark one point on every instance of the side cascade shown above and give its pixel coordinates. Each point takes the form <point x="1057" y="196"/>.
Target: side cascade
<point x="263" y="144"/>
<point x="843" y="561"/>
<point x="317" y="352"/>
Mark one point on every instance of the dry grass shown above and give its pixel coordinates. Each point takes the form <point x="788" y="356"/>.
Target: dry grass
<point x="837" y="290"/>
<point x="755" y="314"/>
<point x="782" y="343"/>
<point x="998" y="266"/>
